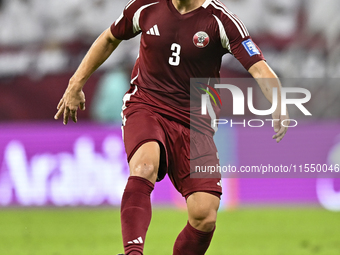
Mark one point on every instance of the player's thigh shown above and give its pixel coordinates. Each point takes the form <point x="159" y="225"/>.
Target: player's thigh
<point x="202" y="210"/>
<point x="145" y="161"/>
<point x="144" y="141"/>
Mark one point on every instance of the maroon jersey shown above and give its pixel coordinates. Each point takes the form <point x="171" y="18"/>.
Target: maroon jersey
<point x="175" y="47"/>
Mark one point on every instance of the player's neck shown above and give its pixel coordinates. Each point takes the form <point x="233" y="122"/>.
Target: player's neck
<point x="185" y="6"/>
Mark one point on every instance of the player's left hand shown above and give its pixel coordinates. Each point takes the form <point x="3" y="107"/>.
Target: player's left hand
<point x="279" y="129"/>
<point x="69" y="103"/>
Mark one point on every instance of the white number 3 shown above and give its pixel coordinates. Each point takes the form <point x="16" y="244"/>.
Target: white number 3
<point x="176" y="50"/>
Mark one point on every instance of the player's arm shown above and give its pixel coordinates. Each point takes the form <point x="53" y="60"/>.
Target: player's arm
<point x="267" y="80"/>
<point x="74" y="96"/>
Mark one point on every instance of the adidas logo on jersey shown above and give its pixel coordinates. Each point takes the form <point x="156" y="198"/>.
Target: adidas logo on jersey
<point x="219" y="183"/>
<point x="153" y="31"/>
<point x="138" y="240"/>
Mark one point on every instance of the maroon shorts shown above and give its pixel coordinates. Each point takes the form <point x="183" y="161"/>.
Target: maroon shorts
<point x="141" y="124"/>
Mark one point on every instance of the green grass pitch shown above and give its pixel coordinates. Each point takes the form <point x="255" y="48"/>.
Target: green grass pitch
<point x="247" y="231"/>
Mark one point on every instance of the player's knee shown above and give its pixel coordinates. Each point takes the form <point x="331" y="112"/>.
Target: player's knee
<point x="208" y="225"/>
<point x="146" y="169"/>
<point x="203" y="219"/>
<point x="145" y="161"/>
<point x="202" y="209"/>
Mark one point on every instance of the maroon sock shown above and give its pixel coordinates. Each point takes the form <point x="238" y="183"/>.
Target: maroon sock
<point x="135" y="214"/>
<point x="192" y="241"/>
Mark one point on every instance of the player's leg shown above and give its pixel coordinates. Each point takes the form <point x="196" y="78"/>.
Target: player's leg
<point x="145" y="142"/>
<point x="136" y="205"/>
<point x="195" y="238"/>
<point x="202" y="191"/>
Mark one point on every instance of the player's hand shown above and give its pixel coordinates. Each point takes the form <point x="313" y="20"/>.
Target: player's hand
<point x="279" y="129"/>
<point x="69" y="103"/>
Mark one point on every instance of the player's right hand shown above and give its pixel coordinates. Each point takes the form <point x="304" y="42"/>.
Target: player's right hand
<point x="69" y="103"/>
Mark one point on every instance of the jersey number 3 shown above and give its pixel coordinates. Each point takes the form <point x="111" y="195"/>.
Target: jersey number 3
<point x="176" y="50"/>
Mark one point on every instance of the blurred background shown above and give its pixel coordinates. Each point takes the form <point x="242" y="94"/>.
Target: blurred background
<point x="44" y="164"/>
<point x="42" y="43"/>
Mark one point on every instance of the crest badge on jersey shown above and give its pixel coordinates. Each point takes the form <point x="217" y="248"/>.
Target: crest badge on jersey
<point x="201" y="39"/>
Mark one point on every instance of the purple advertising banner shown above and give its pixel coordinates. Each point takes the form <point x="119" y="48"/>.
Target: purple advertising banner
<point x="48" y="164"/>
<point x="51" y="164"/>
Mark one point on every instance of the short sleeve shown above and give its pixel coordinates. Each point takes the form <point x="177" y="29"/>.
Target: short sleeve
<point x="236" y="39"/>
<point x="127" y="25"/>
<point x="246" y="51"/>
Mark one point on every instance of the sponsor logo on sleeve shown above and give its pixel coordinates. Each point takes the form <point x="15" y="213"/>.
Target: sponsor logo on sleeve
<point x="251" y="48"/>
